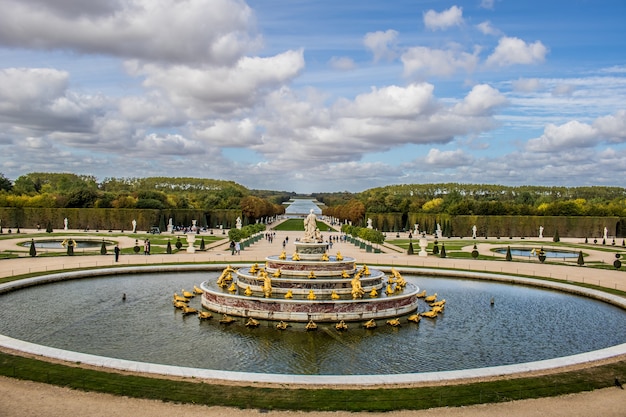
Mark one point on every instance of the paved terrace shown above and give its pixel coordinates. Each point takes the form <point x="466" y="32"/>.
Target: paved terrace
<point x="220" y="253"/>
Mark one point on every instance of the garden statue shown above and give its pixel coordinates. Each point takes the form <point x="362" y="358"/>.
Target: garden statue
<point x="540" y="232"/>
<point x="474" y="232"/>
<point x="65" y="222"/>
<point x="134" y="222"/>
<point x="238" y="223"/>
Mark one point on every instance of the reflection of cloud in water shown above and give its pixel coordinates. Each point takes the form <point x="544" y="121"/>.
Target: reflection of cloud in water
<point x="302" y="206"/>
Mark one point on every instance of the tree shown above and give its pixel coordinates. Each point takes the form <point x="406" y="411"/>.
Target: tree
<point x="33" y="250"/>
<point x="5" y="183"/>
<point x="581" y="259"/>
<point x="509" y="257"/>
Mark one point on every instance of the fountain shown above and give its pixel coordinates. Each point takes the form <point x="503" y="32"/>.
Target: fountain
<point x="310" y="285"/>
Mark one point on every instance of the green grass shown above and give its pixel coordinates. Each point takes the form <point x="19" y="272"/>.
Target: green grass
<point x="379" y="399"/>
<point x="297" y="225"/>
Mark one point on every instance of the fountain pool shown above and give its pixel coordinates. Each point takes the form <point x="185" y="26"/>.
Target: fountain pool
<point x="524" y="324"/>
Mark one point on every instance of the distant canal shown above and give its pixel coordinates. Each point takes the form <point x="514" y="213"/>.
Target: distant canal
<point x="301" y="206"/>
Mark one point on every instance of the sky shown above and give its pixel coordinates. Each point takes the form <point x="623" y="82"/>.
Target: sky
<point x="316" y="95"/>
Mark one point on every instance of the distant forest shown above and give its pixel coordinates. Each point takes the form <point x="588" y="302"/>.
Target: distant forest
<point x="64" y="190"/>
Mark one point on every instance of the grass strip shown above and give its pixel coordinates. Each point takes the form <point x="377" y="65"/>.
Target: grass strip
<point x="285" y="398"/>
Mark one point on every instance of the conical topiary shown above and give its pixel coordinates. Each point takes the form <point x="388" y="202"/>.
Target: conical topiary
<point x="410" y="250"/>
<point x="103" y="248"/>
<point x="556" y="237"/>
<point x="169" y="247"/>
<point x="581" y="259"/>
<point x="202" y="244"/>
<point x="509" y="257"/>
<point x="443" y="251"/>
<point x="33" y="250"/>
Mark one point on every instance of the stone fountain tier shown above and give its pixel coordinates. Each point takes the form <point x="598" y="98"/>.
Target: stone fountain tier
<point x="299" y="284"/>
<point x="311" y="250"/>
<point x="303" y="267"/>
<point x="298" y="310"/>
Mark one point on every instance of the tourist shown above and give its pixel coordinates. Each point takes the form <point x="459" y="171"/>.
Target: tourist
<point x="232" y="247"/>
<point x="116" y="250"/>
<point x="238" y="248"/>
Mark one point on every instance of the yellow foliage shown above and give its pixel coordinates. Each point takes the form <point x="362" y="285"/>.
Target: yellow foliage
<point x="433" y="205"/>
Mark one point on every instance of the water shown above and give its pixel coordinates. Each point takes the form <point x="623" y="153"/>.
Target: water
<point x="550" y="253"/>
<point x="302" y="206"/>
<point x="56" y="244"/>
<point x="525" y="324"/>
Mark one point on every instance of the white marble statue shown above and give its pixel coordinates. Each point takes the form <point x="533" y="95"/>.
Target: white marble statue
<point x="65" y="223"/>
<point x="170" y="225"/>
<point x="606" y="233"/>
<point x="540" y="232"/>
<point x="134" y="222"/>
<point x="310" y="228"/>
<point x="238" y="223"/>
<point x="474" y="232"/>
<point x="369" y="224"/>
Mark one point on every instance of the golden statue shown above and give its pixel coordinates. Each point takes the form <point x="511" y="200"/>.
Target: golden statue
<point x="232" y="287"/>
<point x="311" y="274"/>
<point x="295" y="256"/>
<point x="283" y="255"/>
<point x="311" y="295"/>
<point x="254" y="269"/>
<point x="334" y="295"/>
<point x="366" y="270"/>
<point x="289" y="294"/>
<point x="373" y="293"/>
<point x="389" y="289"/>
<point x="248" y="291"/>
<point x="357" y="290"/>
<point x="339" y="257"/>
<point x="325" y="257"/>
<point x="267" y="285"/>
<point x="344" y="274"/>
<point x="277" y="273"/>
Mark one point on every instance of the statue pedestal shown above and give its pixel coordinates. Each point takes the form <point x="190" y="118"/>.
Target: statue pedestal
<point x="191" y="238"/>
<point x="423" y="246"/>
<point x="312" y="251"/>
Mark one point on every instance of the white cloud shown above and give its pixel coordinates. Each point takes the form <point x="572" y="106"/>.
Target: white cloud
<point x="527" y="85"/>
<point x="613" y="126"/>
<point x="342" y="63"/>
<point x="192" y="31"/>
<point x="482" y="100"/>
<point x="563" y="90"/>
<point x="229" y="133"/>
<point x="568" y="136"/>
<point x="381" y="44"/>
<point x="447" y="159"/>
<point x="512" y="51"/>
<point x="487" y="29"/>
<point x="423" y="61"/>
<point x="443" y="20"/>
<point x="487" y="4"/>
<point x="392" y="102"/>
<point x="209" y="90"/>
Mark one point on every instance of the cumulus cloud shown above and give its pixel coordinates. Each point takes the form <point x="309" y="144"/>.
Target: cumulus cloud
<point x="392" y="102"/>
<point x="342" y="63"/>
<point x="563" y="90"/>
<point x="443" y="20"/>
<point x="570" y="135"/>
<point x="218" y="32"/>
<point x="447" y="159"/>
<point x="229" y="133"/>
<point x="482" y="100"/>
<point x="527" y="85"/>
<point x="512" y="51"/>
<point x="423" y="61"/>
<point x="612" y="126"/>
<point x="381" y="44"/>
<point x="487" y="29"/>
<point x="210" y="90"/>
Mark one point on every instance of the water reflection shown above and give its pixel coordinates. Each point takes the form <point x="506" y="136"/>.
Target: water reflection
<point x="525" y="324"/>
<point x="302" y="206"/>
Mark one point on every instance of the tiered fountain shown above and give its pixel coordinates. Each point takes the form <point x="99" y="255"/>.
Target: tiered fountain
<point x="309" y="285"/>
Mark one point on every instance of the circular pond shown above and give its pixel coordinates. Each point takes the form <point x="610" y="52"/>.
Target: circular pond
<point x="530" y="252"/>
<point x="524" y="324"/>
<point x="59" y="244"/>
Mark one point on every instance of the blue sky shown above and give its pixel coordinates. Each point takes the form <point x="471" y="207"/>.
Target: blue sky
<point x="313" y="96"/>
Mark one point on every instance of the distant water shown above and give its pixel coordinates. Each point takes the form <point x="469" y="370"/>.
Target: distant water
<point x="303" y="206"/>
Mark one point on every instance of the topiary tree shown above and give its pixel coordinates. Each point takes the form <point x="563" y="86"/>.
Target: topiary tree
<point x="103" y="248"/>
<point x="475" y="252"/>
<point x="70" y="247"/>
<point x="410" y="250"/>
<point x="581" y="259"/>
<point x="178" y="244"/>
<point x="436" y="249"/>
<point x="49" y="227"/>
<point x="168" y="249"/>
<point x="33" y="250"/>
<point x="556" y="237"/>
<point x="202" y="244"/>
<point x="443" y="251"/>
<point x="509" y="257"/>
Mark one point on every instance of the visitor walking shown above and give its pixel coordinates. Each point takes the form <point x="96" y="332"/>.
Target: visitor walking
<point x="116" y="250"/>
<point x="238" y="248"/>
<point x="232" y="247"/>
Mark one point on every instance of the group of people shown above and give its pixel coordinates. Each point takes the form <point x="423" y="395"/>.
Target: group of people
<point x="235" y="248"/>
